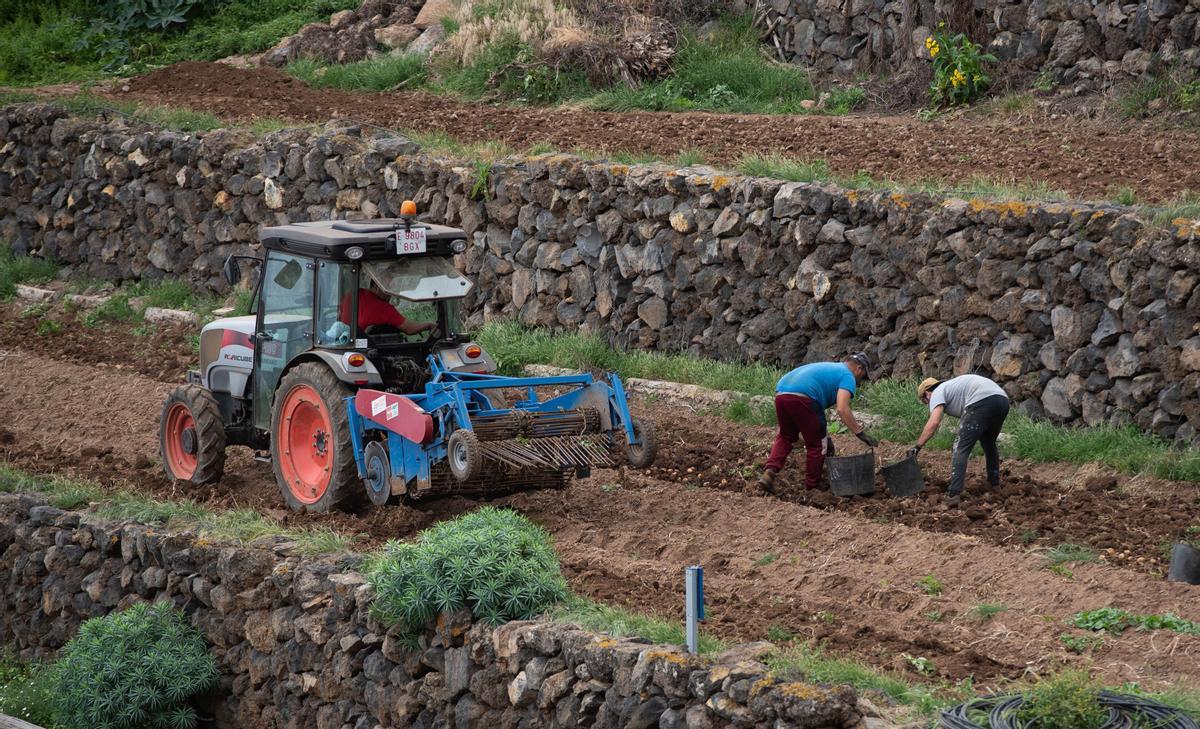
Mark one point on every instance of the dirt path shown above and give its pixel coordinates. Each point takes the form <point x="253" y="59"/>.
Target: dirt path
<point x="836" y="574"/>
<point x="1084" y="157"/>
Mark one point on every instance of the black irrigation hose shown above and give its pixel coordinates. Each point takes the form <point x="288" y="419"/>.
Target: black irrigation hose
<point x="1124" y="712"/>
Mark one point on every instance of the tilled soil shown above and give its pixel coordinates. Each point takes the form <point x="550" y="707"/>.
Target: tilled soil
<point x="837" y="574"/>
<point x="1086" y="158"/>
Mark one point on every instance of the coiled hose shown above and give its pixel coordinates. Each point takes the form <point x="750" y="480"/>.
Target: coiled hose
<point x="1124" y="712"/>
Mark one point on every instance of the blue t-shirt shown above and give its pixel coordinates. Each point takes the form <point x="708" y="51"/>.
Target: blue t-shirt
<point x="818" y="382"/>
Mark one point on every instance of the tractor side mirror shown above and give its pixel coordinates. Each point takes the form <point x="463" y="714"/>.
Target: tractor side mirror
<point x="231" y="271"/>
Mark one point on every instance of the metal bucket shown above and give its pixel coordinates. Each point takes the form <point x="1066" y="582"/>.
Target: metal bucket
<point x="904" y="477"/>
<point x="852" y="475"/>
<point x="1185" y="564"/>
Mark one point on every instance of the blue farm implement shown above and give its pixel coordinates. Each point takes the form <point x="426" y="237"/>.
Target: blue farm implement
<point x="454" y="439"/>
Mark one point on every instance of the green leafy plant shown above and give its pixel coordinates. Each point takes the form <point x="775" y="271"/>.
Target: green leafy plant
<point x="47" y="327"/>
<point x="135" y="669"/>
<point x="1069" y="700"/>
<point x="494" y="562"/>
<point x="958" y="75"/>
<point x="1114" y="620"/>
<point x="766" y="559"/>
<point x="930" y="585"/>
<point x="933" y="616"/>
<point x="921" y="664"/>
<point x="827" y="617"/>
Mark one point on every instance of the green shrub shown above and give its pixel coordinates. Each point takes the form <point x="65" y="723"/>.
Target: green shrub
<point x="493" y="561"/>
<point x="136" y="669"/>
<point x="958" y="76"/>
<point x="1069" y="700"/>
<point x="25" y="691"/>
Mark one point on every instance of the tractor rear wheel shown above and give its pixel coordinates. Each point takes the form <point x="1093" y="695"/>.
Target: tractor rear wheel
<point x="311" y="450"/>
<point x="191" y="436"/>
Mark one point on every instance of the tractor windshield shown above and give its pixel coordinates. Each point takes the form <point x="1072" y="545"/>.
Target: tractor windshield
<point x="426" y="278"/>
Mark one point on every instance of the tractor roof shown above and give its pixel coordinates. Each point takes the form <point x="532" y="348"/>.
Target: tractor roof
<point x="331" y="238"/>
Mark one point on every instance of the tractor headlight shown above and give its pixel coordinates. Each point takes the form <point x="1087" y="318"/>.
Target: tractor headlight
<point x="458" y="246"/>
<point x="354" y="253"/>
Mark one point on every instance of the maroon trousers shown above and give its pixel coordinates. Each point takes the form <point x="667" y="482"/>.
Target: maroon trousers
<point x="799" y="416"/>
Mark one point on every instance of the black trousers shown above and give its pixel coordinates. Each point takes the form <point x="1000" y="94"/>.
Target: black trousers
<point x="981" y="424"/>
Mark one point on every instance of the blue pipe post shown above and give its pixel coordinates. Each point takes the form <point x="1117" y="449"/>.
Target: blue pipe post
<point x="694" y="605"/>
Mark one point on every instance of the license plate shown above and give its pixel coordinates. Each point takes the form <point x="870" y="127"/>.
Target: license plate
<point x="410" y="241"/>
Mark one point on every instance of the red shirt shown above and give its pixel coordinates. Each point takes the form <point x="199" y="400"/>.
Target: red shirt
<point x="372" y="310"/>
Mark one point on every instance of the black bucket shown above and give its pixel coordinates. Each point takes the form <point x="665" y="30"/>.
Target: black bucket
<point x="1185" y="564"/>
<point x="852" y="475"/>
<point x="904" y="477"/>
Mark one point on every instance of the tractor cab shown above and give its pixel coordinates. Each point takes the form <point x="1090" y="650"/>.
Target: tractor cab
<point x="371" y="299"/>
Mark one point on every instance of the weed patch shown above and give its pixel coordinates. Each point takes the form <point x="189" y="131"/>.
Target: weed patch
<point x="26" y="691"/>
<point x="930" y="585"/>
<point x="989" y="610"/>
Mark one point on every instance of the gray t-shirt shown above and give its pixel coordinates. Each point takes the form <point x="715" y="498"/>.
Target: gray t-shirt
<point x="960" y="393"/>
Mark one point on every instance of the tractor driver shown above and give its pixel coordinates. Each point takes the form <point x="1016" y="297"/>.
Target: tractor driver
<point x="374" y="310"/>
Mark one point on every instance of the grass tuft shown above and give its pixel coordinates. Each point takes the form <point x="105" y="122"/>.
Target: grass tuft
<point x="1067" y="553"/>
<point x="15" y="269"/>
<point x="385" y="73"/>
<point x="620" y="622"/>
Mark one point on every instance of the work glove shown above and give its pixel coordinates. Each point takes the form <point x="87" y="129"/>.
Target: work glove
<point x="912" y="451"/>
<point x="862" y="435"/>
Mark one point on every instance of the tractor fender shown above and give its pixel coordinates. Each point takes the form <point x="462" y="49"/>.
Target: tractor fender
<point x="365" y="376"/>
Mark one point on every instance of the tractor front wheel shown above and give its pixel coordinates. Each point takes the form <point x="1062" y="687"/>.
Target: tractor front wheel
<point x="191" y="436"/>
<point x="311" y="450"/>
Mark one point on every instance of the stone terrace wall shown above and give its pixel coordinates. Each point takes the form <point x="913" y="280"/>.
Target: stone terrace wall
<point x="1083" y="313"/>
<point x="298" y="649"/>
<point x="1081" y="42"/>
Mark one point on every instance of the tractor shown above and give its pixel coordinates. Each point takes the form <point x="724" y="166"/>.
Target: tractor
<point x="349" y="411"/>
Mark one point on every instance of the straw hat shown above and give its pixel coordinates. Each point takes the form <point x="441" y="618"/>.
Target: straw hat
<point x="926" y="385"/>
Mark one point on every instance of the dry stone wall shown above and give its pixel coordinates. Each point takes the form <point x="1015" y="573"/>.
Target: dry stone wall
<point x="1082" y="42"/>
<point x="1084" y="313"/>
<point x="298" y="649"/>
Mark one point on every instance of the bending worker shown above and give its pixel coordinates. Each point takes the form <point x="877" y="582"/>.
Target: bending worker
<point x="982" y="406"/>
<point x="801" y="398"/>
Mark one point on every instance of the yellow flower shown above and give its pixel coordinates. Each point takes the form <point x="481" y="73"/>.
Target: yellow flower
<point x="934" y="50"/>
<point x="957" y="78"/>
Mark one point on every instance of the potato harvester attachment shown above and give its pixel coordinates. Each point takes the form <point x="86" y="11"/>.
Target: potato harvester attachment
<point x="454" y="438"/>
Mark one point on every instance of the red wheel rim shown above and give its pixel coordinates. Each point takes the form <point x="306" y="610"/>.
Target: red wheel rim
<point x="179" y="421"/>
<point x="305" y="444"/>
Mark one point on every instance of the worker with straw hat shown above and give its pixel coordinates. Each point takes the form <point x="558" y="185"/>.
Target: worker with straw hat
<point x="982" y="406"/>
<point x="801" y="399"/>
